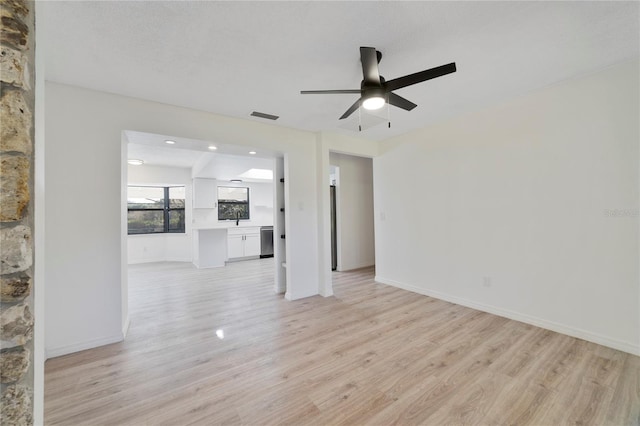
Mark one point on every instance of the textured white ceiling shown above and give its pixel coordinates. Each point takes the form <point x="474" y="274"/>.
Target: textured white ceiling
<point x="232" y="58"/>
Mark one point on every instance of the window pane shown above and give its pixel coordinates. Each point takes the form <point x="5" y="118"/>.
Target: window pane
<point x="176" y="220"/>
<point x="145" y="197"/>
<point x="227" y="194"/>
<point x="144" y="222"/>
<point x="233" y="211"/>
<point x="176" y="197"/>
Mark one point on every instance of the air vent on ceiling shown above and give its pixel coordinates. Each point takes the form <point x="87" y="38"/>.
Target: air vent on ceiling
<point x="263" y="115"/>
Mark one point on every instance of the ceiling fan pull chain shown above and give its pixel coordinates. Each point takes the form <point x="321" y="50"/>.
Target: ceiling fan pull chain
<point x="359" y="119"/>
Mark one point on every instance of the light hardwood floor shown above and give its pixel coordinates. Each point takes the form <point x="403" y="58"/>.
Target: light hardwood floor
<point x="373" y="355"/>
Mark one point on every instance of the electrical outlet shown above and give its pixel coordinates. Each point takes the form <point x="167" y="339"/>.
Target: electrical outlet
<point x="486" y="281"/>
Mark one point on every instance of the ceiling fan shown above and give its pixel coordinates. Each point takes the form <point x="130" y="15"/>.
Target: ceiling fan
<point x="375" y="91"/>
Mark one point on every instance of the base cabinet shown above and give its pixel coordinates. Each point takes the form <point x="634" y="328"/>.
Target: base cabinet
<point x="243" y="242"/>
<point x="252" y="244"/>
<point x="235" y="246"/>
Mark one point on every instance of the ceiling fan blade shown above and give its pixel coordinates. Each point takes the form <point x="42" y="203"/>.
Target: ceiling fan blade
<point x="330" y="92"/>
<point x="351" y="109"/>
<point x="401" y="102"/>
<point x="369" y="59"/>
<point x="408" y="80"/>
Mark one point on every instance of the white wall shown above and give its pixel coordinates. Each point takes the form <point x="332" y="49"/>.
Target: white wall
<point x="162" y="247"/>
<point x="260" y="206"/>
<point x="86" y="286"/>
<point x="354" y="211"/>
<point x="523" y="194"/>
<point x="83" y="205"/>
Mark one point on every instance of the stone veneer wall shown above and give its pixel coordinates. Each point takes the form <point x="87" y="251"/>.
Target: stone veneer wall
<point x="17" y="58"/>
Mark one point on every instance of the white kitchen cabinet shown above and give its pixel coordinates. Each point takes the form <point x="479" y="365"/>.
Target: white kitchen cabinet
<point x="243" y="242"/>
<point x="252" y="244"/>
<point x="235" y="246"/>
<point x="205" y="193"/>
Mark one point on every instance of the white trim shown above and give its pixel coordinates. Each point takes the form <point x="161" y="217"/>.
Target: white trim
<point x="125" y="327"/>
<point x="356" y="267"/>
<point x="39" y="217"/>
<point x="77" y="347"/>
<point x="538" y="322"/>
<point x="326" y="292"/>
<point x="159" y="259"/>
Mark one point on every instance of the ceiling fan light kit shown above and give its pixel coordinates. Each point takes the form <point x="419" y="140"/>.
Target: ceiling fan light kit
<point x="375" y="99"/>
<point x="375" y="91"/>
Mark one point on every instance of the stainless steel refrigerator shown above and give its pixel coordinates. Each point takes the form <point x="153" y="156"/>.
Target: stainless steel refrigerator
<point x="334" y="244"/>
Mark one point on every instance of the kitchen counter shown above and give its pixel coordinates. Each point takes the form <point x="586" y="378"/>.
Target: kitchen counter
<point x="230" y="224"/>
<point x="210" y="249"/>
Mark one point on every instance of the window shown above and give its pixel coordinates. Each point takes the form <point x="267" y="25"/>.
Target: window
<point x="155" y="209"/>
<point x="233" y="203"/>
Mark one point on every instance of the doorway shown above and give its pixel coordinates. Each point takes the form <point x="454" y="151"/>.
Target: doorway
<point x="200" y="169"/>
<point x="351" y="212"/>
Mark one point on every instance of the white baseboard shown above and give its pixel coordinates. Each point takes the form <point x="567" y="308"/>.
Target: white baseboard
<point x="528" y="319"/>
<point x="326" y="293"/>
<point x="355" y="267"/>
<point x="155" y="260"/>
<point x="81" y="346"/>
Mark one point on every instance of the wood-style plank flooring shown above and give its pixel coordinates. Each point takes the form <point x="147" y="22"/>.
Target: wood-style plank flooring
<point x="371" y="355"/>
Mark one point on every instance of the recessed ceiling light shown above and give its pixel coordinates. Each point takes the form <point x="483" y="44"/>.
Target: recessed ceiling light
<point x="170" y="142"/>
<point x="213" y="148"/>
<point x="135" y="162"/>
<point x="236" y="180"/>
<point x="252" y="152"/>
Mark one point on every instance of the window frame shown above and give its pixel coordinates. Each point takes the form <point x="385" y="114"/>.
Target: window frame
<point x="166" y="209"/>
<point x="234" y="203"/>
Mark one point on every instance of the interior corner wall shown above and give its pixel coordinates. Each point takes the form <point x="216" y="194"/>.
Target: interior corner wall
<point x="354" y="205"/>
<point x="83" y="200"/>
<point x="528" y="209"/>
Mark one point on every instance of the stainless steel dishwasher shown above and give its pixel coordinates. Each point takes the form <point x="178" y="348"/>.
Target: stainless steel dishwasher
<point x="266" y="241"/>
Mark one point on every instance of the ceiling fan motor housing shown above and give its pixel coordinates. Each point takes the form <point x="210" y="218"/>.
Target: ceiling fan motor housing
<point x="373" y="92"/>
